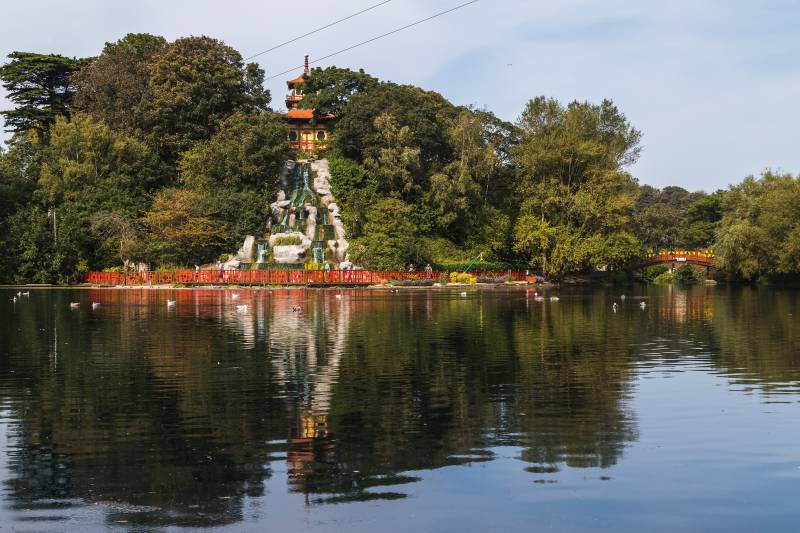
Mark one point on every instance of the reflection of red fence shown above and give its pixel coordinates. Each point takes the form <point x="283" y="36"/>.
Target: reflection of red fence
<point x="267" y="277"/>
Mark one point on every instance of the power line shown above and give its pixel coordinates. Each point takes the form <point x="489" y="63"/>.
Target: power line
<point x="439" y="14"/>
<point x="318" y="29"/>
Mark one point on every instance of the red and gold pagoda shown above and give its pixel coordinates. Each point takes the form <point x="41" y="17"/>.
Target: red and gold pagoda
<point x="307" y="133"/>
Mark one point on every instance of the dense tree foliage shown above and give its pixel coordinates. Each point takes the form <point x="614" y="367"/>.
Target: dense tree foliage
<point x="168" y="153"/>
<point x="39" y="86"/>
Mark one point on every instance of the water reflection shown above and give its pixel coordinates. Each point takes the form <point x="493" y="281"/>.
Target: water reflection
<point x="178" y="416"/>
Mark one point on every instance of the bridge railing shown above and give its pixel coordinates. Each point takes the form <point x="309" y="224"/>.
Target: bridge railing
<point x="269" y="277"/>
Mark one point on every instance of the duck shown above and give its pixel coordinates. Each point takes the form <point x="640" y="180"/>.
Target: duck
<point x="614" y="307"/>
<point x="296" y="309"/>
<point x="241" y="308"/>
<point x="538" y="298"/>
<point x="74" y="305"/>
<point x="464" y="294"/>
<point x="95" y="305"/>
<point x="622" y="297"/>
<point x="170" y="303"/>
<point x="19" y="293"/>
<point x="642" y="305"/>
<point x="392" y="290"/>
<point x="26" y="293"/>
<point x="554" y="298"/>
<point x="14" y="299"/>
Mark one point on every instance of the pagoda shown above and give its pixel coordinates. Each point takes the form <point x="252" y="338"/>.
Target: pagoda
<point x="307" y="133"/>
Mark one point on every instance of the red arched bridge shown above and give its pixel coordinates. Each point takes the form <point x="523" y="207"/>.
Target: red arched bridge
<point x="678" y="257"/>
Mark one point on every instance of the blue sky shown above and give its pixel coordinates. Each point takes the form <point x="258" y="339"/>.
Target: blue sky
<point x="712" y="84"/>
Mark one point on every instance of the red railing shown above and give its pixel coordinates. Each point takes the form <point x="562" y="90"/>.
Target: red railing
<point x="695" y="257"/>
<point x="269" y="277"/>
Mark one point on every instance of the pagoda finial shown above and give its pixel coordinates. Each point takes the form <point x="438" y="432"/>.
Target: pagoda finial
<point x="305" y="65"/>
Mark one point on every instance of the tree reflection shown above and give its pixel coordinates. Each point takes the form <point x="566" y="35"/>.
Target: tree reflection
<point x="178" y="417"/>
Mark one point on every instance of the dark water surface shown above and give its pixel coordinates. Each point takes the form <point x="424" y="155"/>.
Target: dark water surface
<point x="417" y="411"/>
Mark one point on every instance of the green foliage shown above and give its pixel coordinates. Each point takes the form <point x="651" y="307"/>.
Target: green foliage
<point x="685" y="275"/>
<point x="113" y="86"/>
<point x="759" y="234"/>
<point x="578" y="198"/>
<point x="665" y="278"/>
<point x="286" y="240"/>
<point x="39" y="87"/>
<point x="390" y="240"/>
<point x="194" y="83"/>
<point x="652" y="272"/>
<point x="328" y="90"/>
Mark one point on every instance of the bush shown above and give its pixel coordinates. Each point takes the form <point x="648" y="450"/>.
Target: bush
<point x="287" y="240"/>
<point x="493" y="279"/>
<point x="652" y="272"/>
<point x="409" y="282"/>
<point x="443" y="279"/>
<point x="462" y="277"/>
<point x="664" y="278"/>
<point x="685" y="275"/>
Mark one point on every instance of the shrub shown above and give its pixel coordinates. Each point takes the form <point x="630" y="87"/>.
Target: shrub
<point x="443" y="279"/>
<point x="287" y="240"/>
<point x="409" y="282"/>
<point x="462" y="277"/>
<point x="665" y="278"/>
<point x="685" y="275"/>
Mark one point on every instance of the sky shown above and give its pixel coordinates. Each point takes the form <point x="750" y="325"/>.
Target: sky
<point x="712" y="84"/>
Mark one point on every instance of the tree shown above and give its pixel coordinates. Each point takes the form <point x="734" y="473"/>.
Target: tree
<point x="356" y="135"/>
<point x="390" y="238"/>
<point x="327" y="91"/>
<point x="121" y="233"/>
<point x="248" y="151"/>
<point x="578" y="199"/>
<point x="702" y="220"/>
<point x="182" y="230"/>
<point x="39" y="86"/>
<point x="113" y="86"/>
<point x="395" y="164"/>
<point x="193" y="84"/>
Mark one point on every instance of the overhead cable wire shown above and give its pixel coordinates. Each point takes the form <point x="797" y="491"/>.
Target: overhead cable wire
<point x="362" y="43"/>
<point x="370" y="8"/>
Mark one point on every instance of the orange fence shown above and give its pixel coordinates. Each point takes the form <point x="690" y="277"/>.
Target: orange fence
<point x="268" y="277"/>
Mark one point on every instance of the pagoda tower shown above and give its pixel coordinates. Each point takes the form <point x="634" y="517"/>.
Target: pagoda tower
<point x="306" y="132"/>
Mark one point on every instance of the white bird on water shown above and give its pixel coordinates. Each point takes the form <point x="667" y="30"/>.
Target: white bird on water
<point x="95" y="305"/>
<point x="14" y="299"/>
<point x="554" y="298"/>
<point x="642" y="305"/>
<point x="622" y="297"/>
<point x="614" y="307"/>
<point x="464" y="294"/>
<point x="234" y="296"/>
<point x="170" y="303"/>
<point x="26" y="293"/>
<point x="338" y="296"/>
<point x="74" y="305"/>
<point x="241" y="308"/>
<point x="538" y="298"/>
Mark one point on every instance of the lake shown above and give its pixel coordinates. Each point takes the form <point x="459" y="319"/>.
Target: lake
<point x="422" y="410"/>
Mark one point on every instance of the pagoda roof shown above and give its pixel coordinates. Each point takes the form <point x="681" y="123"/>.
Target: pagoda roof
<point x="299" y="79"/>
<point x="305" y="114"/>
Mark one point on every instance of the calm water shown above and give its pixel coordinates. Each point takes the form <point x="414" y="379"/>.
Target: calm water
<point x="417" y="411"/>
